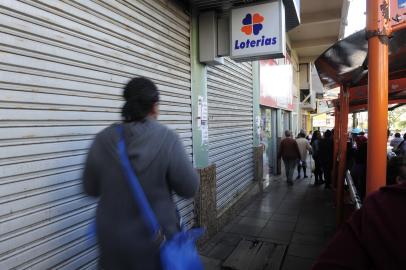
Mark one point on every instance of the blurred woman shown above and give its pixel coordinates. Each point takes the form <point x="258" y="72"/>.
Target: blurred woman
<point x="160" y="162"/>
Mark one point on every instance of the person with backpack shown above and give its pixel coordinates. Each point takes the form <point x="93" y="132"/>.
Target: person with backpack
<point x="156" y="156"/>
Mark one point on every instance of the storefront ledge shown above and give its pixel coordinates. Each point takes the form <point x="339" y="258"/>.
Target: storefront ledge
<point x="259" y="165"/>
<point x="205" y="203"/>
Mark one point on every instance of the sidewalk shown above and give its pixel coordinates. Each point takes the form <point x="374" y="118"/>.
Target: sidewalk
<point x="285" y="228"/>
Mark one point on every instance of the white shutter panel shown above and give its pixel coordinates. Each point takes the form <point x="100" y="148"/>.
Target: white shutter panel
<point x="62" y="68"/>
<point x="230" y="101"/>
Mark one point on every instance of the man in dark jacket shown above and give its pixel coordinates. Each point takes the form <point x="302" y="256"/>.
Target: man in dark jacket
<point x="374" y="237"/>
<point x="326" y="156"/>
<point x="290" y="154"/>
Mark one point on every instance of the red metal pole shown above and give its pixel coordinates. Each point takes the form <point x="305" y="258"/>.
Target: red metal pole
<point x="377" y="33"/>
<point x="336" y="142"/>
<point x="342" y="152"/>
<point x="398" y="27"/>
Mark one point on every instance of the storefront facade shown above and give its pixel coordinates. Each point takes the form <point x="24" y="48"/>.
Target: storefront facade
<point x="278" y="103"/>
<point x="63" y="65"/>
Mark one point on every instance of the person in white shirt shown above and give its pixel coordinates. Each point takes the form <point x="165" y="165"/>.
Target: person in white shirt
<point x="304" y="148"/>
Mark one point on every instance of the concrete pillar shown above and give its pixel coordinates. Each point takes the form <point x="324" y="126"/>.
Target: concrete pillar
<point x="279" y="135"/>
<point x="205" y="203"/>
<point x="255" y="103"/>
<point x="258" y="150"/>
<point x="199" y="98"/>
<point x="274" y="142"/>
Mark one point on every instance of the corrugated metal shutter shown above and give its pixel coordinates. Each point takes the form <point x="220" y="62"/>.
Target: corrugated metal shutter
<point x="62" y="67"/>
<point x="230" y="101"/>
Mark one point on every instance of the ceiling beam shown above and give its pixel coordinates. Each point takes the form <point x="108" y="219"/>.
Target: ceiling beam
<point x="325" y="41"/>
<point x="321" y="17"/>
<point x="308" y="59"/>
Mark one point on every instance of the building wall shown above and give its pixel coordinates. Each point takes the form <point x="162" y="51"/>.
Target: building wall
<point x="296" y="112"/>
<point x="296" y="118"/>
<point x="63" y="64"/>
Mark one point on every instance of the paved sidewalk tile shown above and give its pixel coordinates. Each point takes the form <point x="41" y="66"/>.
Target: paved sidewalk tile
<point x="280" y="225"/>
<point x="308" y="239"/>
<point x="260" y="222"/>
<point x="301" y="217"/>
<point x="256" y="214"/>
<point x="297" y="263"/>
<point x="210" y="263"/>
<point x="284" y="218"/>
<point x="277" y="236"/>
<point x="305" y="251"/>
<point x="246" y="230"/>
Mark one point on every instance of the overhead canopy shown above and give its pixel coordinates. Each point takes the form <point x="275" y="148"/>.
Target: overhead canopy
<point x="346" y="63"/>
<point x="292" y="8"/>
<point x="322" y="24"/>
<point x="359" y="95"/>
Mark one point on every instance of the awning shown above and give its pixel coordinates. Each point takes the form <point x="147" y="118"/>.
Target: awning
<point x="346" y="61"/>
<point x="292" y="8"/>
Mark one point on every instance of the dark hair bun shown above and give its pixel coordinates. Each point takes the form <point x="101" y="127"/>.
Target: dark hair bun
<point x="140" y="94"/>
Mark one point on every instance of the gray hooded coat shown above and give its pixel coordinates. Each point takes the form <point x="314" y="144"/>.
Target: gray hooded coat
<point x="162" y="166"/>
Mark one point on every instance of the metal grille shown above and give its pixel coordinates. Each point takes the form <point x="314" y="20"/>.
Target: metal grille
<point x="62" y="67"/>
<point x="230" y="101"/>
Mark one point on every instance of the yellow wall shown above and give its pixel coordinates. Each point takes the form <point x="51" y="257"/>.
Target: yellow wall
<point x="309" y="122"/>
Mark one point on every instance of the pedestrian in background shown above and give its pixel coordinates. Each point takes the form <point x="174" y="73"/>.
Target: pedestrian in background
<point x="396" y="141"/>
<point x="318" y="171"/>
<point x="326" y="156"/>
<point x="304" y="149"/>
<point x="289" y="152"/>
<point x="359" y="166"/>
<point x="159" y="160"/>
<point x="309" y="136"/>
<point x="401" y="149"/>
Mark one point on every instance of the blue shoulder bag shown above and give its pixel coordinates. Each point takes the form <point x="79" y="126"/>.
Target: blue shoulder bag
<point x="177" y="253"/>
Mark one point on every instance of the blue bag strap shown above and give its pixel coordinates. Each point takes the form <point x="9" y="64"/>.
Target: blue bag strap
<point x="181" y="224"/>
<point x="136" y="189"/>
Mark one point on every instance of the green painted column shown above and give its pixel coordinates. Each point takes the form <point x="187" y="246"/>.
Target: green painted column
<point x="199" y="100"/>
<point x="279" y="123"/>
<point x="255" y="103"/>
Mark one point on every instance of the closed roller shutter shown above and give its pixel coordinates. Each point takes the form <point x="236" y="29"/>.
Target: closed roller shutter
<point x="230" y="101"/>
<point x="62" y="67"/>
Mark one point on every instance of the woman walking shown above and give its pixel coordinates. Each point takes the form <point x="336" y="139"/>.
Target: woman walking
<point x="160" y="162"/>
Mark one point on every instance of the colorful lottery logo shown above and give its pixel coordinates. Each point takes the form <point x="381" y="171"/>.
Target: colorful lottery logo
<point x="252" y="24"/>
